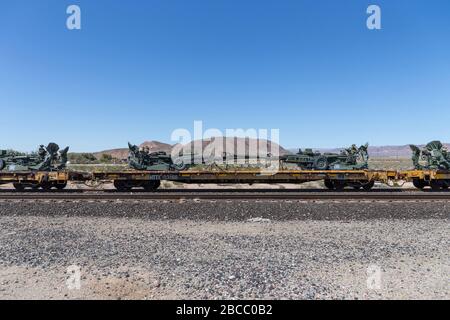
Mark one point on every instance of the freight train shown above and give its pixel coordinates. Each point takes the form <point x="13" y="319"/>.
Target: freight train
<point x="46" y="169"/>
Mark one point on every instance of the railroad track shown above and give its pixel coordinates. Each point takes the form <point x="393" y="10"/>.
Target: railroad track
<point x="443" y="196"/>
<point x="219" y="191"/>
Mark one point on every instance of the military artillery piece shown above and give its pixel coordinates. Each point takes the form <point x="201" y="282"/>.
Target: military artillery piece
<point x="434" y="156"/>
<point x="48" y="158"/>
<point x="352" y="158"/>
<point x="4" y="156"/>
<point x="143" y="159"/>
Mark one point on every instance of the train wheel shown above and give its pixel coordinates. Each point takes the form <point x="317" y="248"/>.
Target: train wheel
<point x="18" y="186"/>
<point x="368" y="186"/>
<point x="151" y="185"/>
<point x="61" y="186"/>
<point x="46" y="185"/>
<point x="329" y="184"/>
<point x="419" y="184"/>
<point x="122" y="186"/>
<point x="339" y="185"/>
<point x="436" y="185"/>
<point x="446" y="185"/>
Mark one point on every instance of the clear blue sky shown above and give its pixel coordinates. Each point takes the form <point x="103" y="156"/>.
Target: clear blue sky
<point x="140" y="69"/>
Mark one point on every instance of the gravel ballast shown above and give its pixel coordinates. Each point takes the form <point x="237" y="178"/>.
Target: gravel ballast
<point x="225" y="249"/>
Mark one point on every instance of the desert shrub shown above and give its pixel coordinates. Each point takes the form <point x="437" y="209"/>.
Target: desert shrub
<point x="106" y="158"/>
<point x="82" y="158"/>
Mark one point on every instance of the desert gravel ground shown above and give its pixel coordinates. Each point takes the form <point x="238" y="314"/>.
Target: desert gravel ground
<point x="225" y="249"/>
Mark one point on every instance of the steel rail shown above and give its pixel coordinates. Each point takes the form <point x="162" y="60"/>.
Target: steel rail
<point x="211" y="190"/>
<point x="228" y="196"/>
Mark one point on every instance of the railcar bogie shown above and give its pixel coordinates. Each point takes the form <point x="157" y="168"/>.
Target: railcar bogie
<point x="44" y="185"/>
<point x="129" y="185"/>
<point x="340" y="185"/>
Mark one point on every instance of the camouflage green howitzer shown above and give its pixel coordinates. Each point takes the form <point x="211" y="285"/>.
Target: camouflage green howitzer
<point x="4" y="156"/>
<point x="433" y="157"/>
<point x="48" y="158"/>
<point x="152" y="161"/>
<point x="352" y="158"/>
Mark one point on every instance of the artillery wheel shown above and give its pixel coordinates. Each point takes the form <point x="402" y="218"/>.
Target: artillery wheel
<point x="151" y="185"/>
<point x="179" y="165"/>
<point x="18" y="186"/>
<point x="122" y="186"/>
<point x="368" y="186"/>
<point x="61" y="186"/>
<point x="2" y="164"/>
<point x="321" y="163"/>
<point x="329" y="184"/>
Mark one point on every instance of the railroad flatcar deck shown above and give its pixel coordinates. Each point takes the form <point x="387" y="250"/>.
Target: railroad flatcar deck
<point x="335" y="179"/>
<point x="246" y="176"/>
<point x="150" y="180"/>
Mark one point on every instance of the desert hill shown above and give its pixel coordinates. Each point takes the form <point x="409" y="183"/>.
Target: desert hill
<point x="122" y="153"/>
<point x="231" y="143"/>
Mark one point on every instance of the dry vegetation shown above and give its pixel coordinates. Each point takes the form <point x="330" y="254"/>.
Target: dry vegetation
<point x="390" y="164"/>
